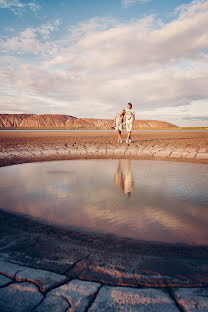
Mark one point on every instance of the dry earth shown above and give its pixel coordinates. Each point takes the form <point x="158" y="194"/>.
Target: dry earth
<point x="21" y="146"/>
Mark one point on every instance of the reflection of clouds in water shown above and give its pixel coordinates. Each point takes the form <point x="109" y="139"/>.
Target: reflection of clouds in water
<point x="38" y="183"/>
<point x="83" y="194"/>
<point x="150" y="220"/>
<point x="58" y="172"/>
<point x="190" y="229"/>
<point x="180" y="180"/>
<point x="107" y="214"/>
<point x="59" y="191"/>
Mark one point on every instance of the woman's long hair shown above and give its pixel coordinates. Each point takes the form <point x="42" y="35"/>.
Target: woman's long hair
<point x="122" y="114"/>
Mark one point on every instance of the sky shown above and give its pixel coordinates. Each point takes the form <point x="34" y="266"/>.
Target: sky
<point x="90" y="58"/>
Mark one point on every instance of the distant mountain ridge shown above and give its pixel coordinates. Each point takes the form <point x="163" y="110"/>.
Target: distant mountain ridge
<point x="69" y="122"/>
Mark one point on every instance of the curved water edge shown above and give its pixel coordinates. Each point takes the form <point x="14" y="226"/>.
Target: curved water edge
<point x="138" y="199"/>
<point x="13" y="155"/>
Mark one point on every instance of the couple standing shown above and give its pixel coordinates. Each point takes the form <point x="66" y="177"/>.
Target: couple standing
<point x="125" y="118"/>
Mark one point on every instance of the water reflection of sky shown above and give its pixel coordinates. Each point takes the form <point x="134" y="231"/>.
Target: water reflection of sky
<point x="145" y="200"/>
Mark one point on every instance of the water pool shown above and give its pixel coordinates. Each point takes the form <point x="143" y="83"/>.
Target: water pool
<point x="140" y="199"/>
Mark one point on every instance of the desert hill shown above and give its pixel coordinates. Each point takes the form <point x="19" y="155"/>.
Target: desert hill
<point x="69" y="122"/>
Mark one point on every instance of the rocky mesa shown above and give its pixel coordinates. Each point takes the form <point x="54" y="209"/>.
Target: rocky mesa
<point x="69" y="122"/>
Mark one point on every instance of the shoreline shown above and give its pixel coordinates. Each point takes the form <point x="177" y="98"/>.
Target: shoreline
<point x="46" y="264"/>
<point x="108" y="259"/>
<point x="54" y="269"/>
<point x="23" y="147"/>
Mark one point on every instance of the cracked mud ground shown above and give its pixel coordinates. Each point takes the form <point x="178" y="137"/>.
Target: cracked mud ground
<point x="45" y="268"/>
<point x="19" y="147"/>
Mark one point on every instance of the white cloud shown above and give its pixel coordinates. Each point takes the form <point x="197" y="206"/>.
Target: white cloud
<point x="31" y="40"/>
<point x="126" y="3"/>
<point x="95" y="68"/>
<point x="33" y="6"/>
<point x="184" y="115"/>
<point x="5" y="4"/>
<point x="17" y="6"/>
<point x="192" y="8"/>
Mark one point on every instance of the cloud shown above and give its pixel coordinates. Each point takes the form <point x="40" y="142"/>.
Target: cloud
<point x="5" y="4"/>
<point x="185" y="115"/>
<point x="31" y="40"/>
<point x="126" y="3"/>
<point x="192" y="8"/>
<point x="33" y="6"/>
<point x="97" y="66"/>
<point x="17" y="6"/>
<point x="205" y="118"/>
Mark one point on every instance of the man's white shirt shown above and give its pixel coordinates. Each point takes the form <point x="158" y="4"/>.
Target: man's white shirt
<point x="129" y="116"/>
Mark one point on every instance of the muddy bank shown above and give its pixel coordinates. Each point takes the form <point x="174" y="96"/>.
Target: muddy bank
<point x="20" y="147"/>
<point x="101" y="258"/>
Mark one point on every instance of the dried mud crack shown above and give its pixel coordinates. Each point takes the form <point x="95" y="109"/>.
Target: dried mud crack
<point x="20" y="147"/>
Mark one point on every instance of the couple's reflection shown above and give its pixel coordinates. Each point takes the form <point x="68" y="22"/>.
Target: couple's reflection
<point x="124" y="178"/>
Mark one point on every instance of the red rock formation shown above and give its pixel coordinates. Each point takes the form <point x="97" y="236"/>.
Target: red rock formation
<point x="70" y="122"/>
<point x="33" y="121"/>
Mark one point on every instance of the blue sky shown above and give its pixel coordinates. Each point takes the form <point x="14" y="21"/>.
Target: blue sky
<point x="89" y="58"/>
<point x="71" y="12"/>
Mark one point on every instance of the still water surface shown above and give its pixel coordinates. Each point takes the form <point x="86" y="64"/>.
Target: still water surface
<point x="140" y="199"/>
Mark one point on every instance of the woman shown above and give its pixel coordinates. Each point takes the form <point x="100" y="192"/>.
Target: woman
<point x="118" y="124"/>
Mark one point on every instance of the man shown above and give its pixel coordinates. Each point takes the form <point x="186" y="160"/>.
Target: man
<point x="128" y="121"/>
